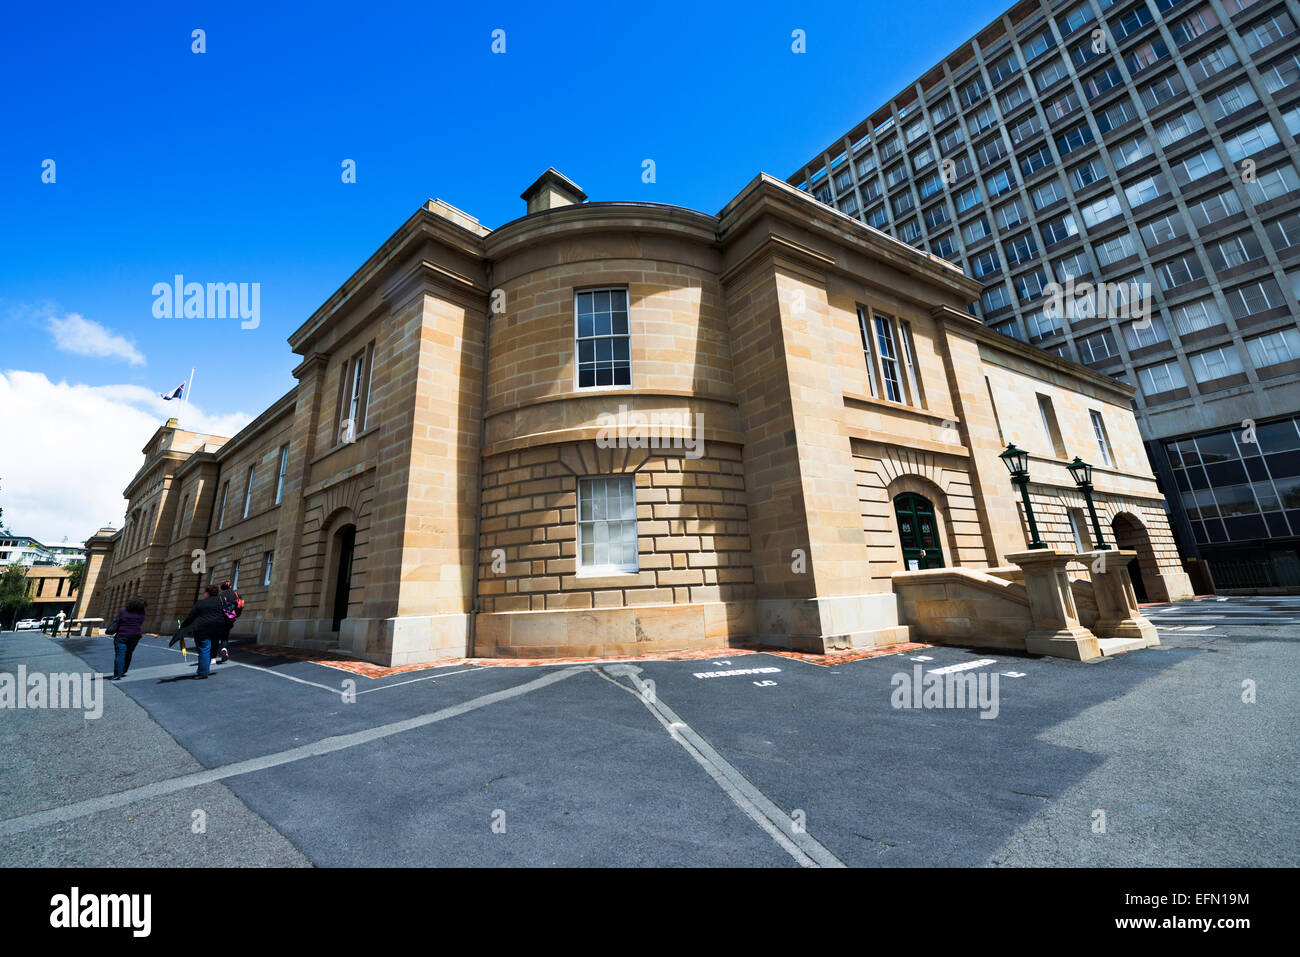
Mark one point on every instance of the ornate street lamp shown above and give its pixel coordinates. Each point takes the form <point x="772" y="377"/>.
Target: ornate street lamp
<point x="1017" y="463"/>
<point x="1082" y="473"/>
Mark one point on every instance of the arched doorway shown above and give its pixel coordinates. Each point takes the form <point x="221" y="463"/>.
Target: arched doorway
<point x="918" y="532"/>
<point x="343" y="546"/>
<point x="1131" y="535"/>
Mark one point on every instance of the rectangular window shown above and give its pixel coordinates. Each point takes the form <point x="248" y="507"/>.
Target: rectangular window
<point x="603" y="343"/>
<point x="1103" y="440"/>
<point x="1273" y="183"/>
<point x="1140" y="334"/>
<point x="1197" y="24"/>
<point x="1164" y="377"/>
<point x="909" y="363"/>
<point x="1130" y="151"/>
<point x="1179" y="271"/>
<point x="1163" y="230"/>
<point x="864" y="329"/>
<point x="1099" y="347"/>
<point x="267" y="563"/>
<point x="1100" y="210"/>
<point x="1047" y="194"/>
<point x="1275" y="348"/>
<point x="1211" y="64"/>
<point x="1114" y="249"/>
<point x="248" y="493"/>
<point x="967" y="199"/>
<point x="1253" y="298"/>
<point x="607" y="539"/>
<point x="234" y="575"/>
<point x="1209" y="211"/>
<point x="1196" y="316"/>
<point x="1261" y="33"/>
<point x="284" y="467"/>
<point x="977" y="230"/>
<point x="888" y="358"/>
<point x="1215" y="364"/>
<point x="1145" y="190"/>
<point x="1248" y="141"/>
<point x="180" y="516"/>
<point x="221" y="512"/>
<point x="1235" y="251"/>
<point x="1050" y="425"/>
<point x="1024" y="129"/>
<point x="1284" y="232"/>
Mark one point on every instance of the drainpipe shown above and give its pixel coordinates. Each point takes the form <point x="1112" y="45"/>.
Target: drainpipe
<point x="478" y="484"/>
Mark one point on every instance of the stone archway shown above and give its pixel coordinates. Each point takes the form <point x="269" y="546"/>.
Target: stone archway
<point x="336" y="586"/>
<point x="909" y="495"/>
<point x="1131" y="535"/>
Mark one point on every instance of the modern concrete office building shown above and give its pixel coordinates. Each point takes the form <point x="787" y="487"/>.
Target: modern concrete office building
<point x="1111" y="141"/>
<point x="615" y="428"/>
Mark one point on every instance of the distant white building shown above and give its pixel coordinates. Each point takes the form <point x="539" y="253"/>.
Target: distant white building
<point x="28" y="551"/>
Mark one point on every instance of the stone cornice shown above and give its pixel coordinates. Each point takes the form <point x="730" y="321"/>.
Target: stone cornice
<point x="970" y="326"/>
<point x="687" y="224"/>
<point x="766" y="194"/>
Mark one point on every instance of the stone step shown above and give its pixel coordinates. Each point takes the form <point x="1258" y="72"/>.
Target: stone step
<point x="1117" y="646"/>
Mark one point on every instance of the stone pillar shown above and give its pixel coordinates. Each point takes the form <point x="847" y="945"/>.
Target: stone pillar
<point x="1056" y="629"/>
<point x="1118" y="615"/>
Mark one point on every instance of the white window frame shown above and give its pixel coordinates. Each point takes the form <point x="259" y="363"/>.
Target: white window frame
<point x="284" y="467"/>
<point x="628" y="481"/>
<point x="248" y="492"/>
<point x="1103" y="440"/>
<point x="577" y="358"/>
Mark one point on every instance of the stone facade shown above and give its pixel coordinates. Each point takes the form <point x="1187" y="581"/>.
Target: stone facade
<point x="463" y="453"/>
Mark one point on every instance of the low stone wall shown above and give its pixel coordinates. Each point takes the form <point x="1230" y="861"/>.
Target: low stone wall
<point x="1084" y="600"/>
<point x="964" y="606"/>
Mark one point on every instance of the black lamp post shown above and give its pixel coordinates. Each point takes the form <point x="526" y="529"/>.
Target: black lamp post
<point x="1017" y="463"/>
<point x="1082" y="473"/>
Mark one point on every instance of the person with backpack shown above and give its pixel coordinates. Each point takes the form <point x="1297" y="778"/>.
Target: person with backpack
<point x="126" y="629"/>
<point x="205" y="623"/>
<point x="232" y="606"/>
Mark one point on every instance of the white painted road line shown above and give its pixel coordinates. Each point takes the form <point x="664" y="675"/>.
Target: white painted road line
<point x="798" y="843"/>
<point x="316" y="749"/>
<point x="964" y="666"/>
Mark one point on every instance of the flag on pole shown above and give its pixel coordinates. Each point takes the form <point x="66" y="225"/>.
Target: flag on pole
<point x="175" y="393"/>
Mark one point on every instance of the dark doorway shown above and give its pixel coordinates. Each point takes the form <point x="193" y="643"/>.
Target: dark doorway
<point x="344" y="540"/>
<point x="1131" y="535"/>
<point x="1135" y="575"/>
<point x="919" y="531"/>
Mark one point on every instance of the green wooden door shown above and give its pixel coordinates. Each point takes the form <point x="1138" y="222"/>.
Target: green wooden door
<point x="919" y="532"/>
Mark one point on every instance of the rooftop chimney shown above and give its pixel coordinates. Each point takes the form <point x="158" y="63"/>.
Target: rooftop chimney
<point x="552" y="189"/>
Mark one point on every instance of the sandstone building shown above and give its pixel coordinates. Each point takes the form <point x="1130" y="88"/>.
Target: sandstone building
<point x="614" y="428"/>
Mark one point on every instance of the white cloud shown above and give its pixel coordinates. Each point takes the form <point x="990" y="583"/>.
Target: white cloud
<point x="67" y="451"/>
<point x="85" y="337"/>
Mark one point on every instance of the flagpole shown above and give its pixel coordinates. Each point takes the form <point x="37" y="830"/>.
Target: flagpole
<point x="188" y="389"/>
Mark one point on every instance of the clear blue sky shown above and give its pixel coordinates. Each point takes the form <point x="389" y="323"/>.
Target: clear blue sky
<point x="225" y="166"/>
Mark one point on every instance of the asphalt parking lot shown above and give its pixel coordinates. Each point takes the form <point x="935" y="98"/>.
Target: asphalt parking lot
<point x="1148" y="758"/>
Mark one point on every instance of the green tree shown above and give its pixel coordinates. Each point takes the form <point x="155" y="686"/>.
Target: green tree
<point x="75" y="571"/>
<point x="13" y="590"/>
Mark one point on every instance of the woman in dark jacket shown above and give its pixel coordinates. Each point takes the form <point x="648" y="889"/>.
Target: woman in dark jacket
<point x="205" y="622"/>
<point x="130" y="622"/>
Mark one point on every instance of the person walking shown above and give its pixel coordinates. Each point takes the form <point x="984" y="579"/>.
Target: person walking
<point x="130" y="626"/>
<point x="206" y="622"/>
<point x="232" y="606"/>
